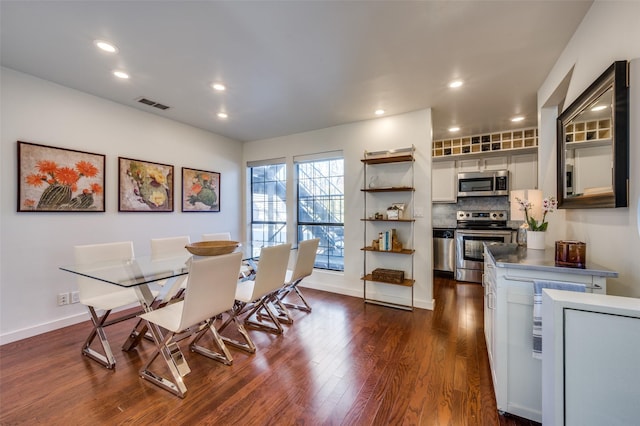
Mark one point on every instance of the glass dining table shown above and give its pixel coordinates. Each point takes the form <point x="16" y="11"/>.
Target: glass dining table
<point x="140" y="273"/>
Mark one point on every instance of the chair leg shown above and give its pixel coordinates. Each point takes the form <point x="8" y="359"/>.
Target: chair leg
<point x="107" y="359"/>
<point x="256" y="311"/>
<point x="222" y="355"/>
<point x="174" y="360"/>
<point x="247" y="345"/>
<point x="304" y="307"/>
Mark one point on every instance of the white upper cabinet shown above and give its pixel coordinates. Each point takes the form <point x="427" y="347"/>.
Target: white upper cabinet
<point x="523" y="171"/>
<point x="443" y="181"/>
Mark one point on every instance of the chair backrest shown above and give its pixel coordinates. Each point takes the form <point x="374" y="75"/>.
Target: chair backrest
<point x="307" y="250"/>
<point x="212" y="288"/>
<point x="94" y="253"/>
<point x="169" y="247"/>
<point x="220" y="236"/>
<point x="272" y="269"/>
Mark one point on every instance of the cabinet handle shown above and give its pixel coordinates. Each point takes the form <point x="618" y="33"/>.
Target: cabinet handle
<point x="490" y="301"/>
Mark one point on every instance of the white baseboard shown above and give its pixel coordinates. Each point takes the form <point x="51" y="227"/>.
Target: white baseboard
<point x="27" y="332"/>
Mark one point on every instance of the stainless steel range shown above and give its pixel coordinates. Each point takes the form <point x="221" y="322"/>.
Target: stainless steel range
<point x="474" y="228"/>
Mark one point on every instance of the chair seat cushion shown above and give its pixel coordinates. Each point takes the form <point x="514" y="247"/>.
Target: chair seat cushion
<point x="167" y="317"/>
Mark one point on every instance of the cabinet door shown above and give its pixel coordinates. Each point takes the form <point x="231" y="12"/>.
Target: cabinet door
<point x="483" y="164"/>
<point x="470" y="165"/>
<point x="443" y="181"/>
<point x="524" y="171"/>
<point x="494" y="163"/>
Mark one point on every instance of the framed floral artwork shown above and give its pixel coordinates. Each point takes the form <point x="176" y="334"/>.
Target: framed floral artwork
<point x="52" y="179"/>
<point x="200" y="191"/>
<point x="144" y="186"/>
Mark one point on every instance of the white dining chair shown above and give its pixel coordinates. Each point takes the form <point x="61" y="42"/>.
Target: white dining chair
<point x="305" y="260"/>
<point x="254" y="297"/>
<point x="162" y="248"/>
<point x="101" y="296"/>
<point x="211" y="292"/>
<point x="220" y="236"/>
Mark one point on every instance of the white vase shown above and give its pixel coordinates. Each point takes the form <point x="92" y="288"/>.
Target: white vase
<point x="535" y="240"/>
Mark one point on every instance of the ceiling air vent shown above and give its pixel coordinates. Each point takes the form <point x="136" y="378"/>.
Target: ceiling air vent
<point x="152" y="103"/>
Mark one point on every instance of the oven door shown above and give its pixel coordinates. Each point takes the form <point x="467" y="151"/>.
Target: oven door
<point x="470" y="251"/>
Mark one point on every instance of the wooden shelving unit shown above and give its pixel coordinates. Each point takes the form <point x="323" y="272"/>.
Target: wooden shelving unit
<point x="373" y="225"/>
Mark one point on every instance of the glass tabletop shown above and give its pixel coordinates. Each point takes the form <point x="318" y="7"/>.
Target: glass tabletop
<point x="149" y="269"/>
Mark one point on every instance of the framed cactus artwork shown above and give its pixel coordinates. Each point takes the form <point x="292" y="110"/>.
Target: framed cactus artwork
<point x="52" y="179"/>
<point x="200" y="191"/>
<point x="144" y="186"/>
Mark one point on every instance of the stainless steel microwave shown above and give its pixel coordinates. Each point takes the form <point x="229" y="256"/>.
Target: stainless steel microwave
<point x="483" y="184"/>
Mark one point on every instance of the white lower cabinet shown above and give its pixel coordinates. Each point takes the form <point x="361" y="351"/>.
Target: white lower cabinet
<point x="517" y="376"/>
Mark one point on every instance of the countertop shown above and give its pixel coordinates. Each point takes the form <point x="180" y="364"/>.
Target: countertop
<point x="512" y="256"/>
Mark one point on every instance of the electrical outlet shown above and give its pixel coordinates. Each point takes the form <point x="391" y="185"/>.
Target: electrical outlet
<point x="63" y="299"/>
<point x="75" y="297"/>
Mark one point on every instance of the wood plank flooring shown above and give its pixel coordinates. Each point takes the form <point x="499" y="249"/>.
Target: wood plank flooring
<point x="346" y="363"/>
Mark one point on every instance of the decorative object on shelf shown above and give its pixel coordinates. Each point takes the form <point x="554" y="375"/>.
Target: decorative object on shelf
<point x="396" y="211"/>
<point x="200" y="191"/>
<point x="373" y="182"/>
<point x="388" y="275"/>
<point x="54" y="179"/>
<point x="144" y="186"/>
<point x="572" y="254"/>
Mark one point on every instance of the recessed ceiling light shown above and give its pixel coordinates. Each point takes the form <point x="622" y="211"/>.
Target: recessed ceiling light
<point x="454" y="129"/>
<point x="379" y="112"/>
<point x="219" y="87"/>
<point x="222" y="115"/>
<point x="455" y="84"/>
<point x="598" y="108"/>
<point x="121" y="74"/>
<point x="106" y="46"/>
<point x="518" y="118"/>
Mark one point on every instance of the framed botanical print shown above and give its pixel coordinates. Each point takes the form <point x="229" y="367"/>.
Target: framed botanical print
<point x="144" y="186"/>
<point x="200" y="191"/>
<point x="52" y="179"/>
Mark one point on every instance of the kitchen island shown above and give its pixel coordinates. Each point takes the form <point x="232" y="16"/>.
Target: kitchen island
<point x="509" y="272"/>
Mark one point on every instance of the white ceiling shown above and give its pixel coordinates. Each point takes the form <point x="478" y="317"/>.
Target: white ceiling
<point x="294" y="66"/>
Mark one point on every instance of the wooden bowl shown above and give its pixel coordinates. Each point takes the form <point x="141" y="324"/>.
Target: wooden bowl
<point x="212" y="248"/>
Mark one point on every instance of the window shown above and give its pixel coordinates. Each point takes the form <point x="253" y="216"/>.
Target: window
<point x="321" y="209"/>
<point x="269" y="203"/>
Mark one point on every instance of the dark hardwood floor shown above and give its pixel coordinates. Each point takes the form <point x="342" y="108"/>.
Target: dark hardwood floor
<point x="346" y="363"/>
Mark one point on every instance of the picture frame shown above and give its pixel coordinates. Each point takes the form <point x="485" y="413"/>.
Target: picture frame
<point x="54" y="179"/>
<point x="200" y="191"/>
<point x="144" y="186"/>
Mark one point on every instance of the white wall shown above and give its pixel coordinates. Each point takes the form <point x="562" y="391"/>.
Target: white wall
<point x="397" y="131"/>
<point x="610" y="31"/>
<point x="34" y="245"/>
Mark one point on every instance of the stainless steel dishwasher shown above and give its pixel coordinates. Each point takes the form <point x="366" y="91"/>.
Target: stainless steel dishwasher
<point x="444" y="250"/>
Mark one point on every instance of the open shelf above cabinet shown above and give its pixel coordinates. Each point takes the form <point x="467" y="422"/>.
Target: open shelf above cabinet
<point x="476" y="145"/>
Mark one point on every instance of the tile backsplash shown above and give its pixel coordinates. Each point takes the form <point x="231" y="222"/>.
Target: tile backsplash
<point x="444" y="214"/>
